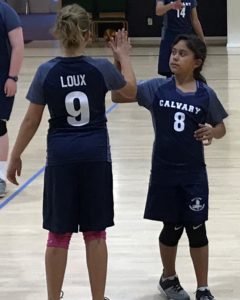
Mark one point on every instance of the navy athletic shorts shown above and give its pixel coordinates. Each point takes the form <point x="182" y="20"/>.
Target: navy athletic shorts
<point x="6" y="103"/>
<point x="177" y="196"/>
<point x="78" y="197"/>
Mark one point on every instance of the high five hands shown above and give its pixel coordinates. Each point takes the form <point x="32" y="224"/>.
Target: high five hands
<point x="120" y="45"/>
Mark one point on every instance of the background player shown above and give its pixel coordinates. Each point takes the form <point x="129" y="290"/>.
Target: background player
<point x="78" y="176"/>
<point x="179" y="17"/>
<point x="178" y="189"/>
<point x="11" y="56"/>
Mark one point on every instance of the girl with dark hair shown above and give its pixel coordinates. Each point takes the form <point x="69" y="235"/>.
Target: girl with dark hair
<point x="198" y="48"/>
<point x="181" y="109"/>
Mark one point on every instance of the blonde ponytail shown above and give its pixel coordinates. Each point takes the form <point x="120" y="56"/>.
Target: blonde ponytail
<point x="71" y="25"/>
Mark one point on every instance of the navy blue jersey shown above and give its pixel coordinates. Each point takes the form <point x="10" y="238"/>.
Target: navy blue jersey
<point x="175" y="117"/>
<point x="178" y="21"/>
<point x="74" y="90"/>
<point x="9" y="20"/>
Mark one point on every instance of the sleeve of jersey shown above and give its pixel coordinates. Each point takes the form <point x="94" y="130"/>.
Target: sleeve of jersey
<point x="146" y="91"/>
<point x="11" y="18"/>
<point x="114" y="80"/>
<point x="35" y="93"/>
<point x="216" y="111"/>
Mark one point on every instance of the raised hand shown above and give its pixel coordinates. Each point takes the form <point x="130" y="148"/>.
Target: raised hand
<point x="120" y="45"/>
<point x="177" y="5"/>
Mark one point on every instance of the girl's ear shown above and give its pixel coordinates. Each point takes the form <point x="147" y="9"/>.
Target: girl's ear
<point x="198" y="62"/>
<point x="88" y="36"/>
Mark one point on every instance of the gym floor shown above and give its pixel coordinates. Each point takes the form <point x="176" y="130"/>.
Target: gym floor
<point x="134" y="263"/>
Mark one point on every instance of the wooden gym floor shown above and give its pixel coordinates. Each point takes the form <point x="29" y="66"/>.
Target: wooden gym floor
<point x="134" y="263"/>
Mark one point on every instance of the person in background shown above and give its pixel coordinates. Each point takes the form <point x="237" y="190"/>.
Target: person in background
<point x="11" y="57"/>
<point x="182" y="107"/>
<point x="78" y="185"/>
<point x="179" y="17"/>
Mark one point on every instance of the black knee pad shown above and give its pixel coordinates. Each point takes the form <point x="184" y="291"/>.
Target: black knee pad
<point x="171" y="234"/>
<point x="3" y="127"/>
<point x="197" y="235"/>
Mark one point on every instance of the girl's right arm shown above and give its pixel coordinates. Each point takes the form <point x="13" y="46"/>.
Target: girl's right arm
<point x="26" y="132"/>
<point x="128" y="93"/>
<point x="121" y="51"/>
<point x="16" y="41"/>
<point x="162" y="9"/>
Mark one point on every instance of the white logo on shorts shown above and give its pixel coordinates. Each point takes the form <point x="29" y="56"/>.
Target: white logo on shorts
<point x="196" y="227"/>
<point x="196" y="204"/>
<point x="177" y="228"/>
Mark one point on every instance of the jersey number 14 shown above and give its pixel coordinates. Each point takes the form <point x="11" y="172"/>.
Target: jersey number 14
<point x="181" y="12"/>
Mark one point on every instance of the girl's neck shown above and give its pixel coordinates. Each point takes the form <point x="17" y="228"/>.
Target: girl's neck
<point x="73" y="52"/>
<point x="186" y="83"/>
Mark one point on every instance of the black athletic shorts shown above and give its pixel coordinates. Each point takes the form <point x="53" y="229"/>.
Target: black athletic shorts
<point x="78" y="197"/>
<point x="179" y="197"/>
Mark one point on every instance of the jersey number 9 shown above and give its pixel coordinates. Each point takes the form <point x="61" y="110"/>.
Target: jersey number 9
<point x="81" y="116"/>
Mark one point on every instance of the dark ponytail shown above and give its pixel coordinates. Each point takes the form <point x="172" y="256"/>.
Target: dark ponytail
<point x="199" y="49"/>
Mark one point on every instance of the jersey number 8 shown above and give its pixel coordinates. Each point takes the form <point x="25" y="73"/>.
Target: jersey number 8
<point x="179" y="124"/>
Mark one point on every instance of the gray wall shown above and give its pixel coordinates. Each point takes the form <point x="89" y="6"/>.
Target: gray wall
<point x="35" y="6"/>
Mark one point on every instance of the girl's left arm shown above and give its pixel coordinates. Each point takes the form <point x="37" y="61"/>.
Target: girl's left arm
<point x="218" y="131"/>
<point x="207" y="132"/>
<point x="196" y="24"/>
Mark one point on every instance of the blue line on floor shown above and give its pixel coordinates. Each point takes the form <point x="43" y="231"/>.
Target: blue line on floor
<point x="111" y="108"/>
<point x="21" y="188"/>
